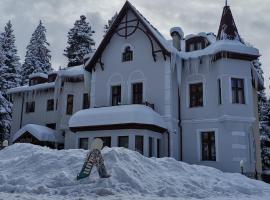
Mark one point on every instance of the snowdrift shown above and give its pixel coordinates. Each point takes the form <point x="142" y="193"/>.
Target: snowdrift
<point x="29" y="169"/>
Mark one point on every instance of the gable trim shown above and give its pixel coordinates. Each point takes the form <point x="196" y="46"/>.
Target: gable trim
<point x="97" y="57"/>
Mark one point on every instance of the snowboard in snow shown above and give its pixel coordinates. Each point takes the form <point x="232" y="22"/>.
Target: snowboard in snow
<point x="94" y="158"/>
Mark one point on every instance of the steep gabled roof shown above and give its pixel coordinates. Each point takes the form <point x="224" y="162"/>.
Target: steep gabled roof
<point x="227" y="28"/>
<point x="153" y="32"/>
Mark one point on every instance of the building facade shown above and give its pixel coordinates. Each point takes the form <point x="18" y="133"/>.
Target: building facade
<point x="193" y="97"/>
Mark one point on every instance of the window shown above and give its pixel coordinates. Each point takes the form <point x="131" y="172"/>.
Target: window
<point x="106" y="141"/>
<point x="116" y="95"/>
<point x="191" y="47"/>
<point x="123" y="141"/>
<point x="30" y="107"/>
<point x="137" y="93"/>
<point x="50" y="105"/>
<point x="219" y="92"/>
<point x="238" y="94"/>
<point x="86" y="101"/>
<point x="139" y="144"/>
<point x="69" y="110"/>
<point x="83" y="143"/>
<point x="158" y="148"/>
<point x="127" y="55"/>
<point x="51" y="125"/>
<point x="151" y="145"/>
<point x="196" y="95"/>
<point x="199" y="46"/>
<point x="208" y="146"/>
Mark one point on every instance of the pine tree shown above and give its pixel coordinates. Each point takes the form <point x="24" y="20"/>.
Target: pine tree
<point x="264" y="118"/>
<point x="38" y="56"/>
<point x="110" y="22"/>
<point x="11" y="73"/>
<point x="5" y="117"/>
<point x="80" y="42"/>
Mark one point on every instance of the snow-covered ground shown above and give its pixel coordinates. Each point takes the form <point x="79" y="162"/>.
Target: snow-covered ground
<point x="33" y="172"/>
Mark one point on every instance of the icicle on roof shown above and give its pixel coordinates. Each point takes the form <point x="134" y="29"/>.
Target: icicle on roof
<point x="227" y="29"/>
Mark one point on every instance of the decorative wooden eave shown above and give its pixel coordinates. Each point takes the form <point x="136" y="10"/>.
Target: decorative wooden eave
<point x="96" y="58"/>
<point x="234" y="55"/>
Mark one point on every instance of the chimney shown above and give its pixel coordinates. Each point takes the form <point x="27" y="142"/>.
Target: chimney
<point x="177" y="35"/>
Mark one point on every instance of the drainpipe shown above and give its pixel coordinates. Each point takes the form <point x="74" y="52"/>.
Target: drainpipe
<point x="22" y="107"/>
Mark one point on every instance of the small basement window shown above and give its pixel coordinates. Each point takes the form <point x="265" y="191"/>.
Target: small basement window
<point x="127" y="55"/>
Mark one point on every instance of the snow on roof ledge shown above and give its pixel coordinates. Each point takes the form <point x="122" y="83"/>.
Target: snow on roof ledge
<point x="114" y="115"/>
<point x="72" y="71"/>
<point x="42" y="133"/>
<point x="38" y="74"/>
<point x="25" y="88"/>
<point x="222" y="45"/>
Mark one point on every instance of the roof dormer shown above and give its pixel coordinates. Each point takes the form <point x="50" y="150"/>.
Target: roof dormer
<point x="197" y="42"/>
<point x="38" y="78"/>
<point x="52" y="76"/>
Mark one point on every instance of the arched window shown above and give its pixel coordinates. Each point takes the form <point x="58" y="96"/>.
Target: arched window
<point x="127" y="55"/>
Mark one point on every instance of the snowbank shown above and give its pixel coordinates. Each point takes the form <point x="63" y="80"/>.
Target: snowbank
<point x="41" y="172"/>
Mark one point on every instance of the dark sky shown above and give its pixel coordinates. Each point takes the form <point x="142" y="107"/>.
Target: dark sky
<point x="193" y="16"/>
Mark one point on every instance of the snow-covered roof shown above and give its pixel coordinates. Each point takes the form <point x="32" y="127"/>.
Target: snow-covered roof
<point x="42" y="133"/>
<point x="234" y="46"/>
<point x="25" y="88"/>
<point x="39" y="74"/>
<point x="124" y="114"/>
<point x="72" y="71"/>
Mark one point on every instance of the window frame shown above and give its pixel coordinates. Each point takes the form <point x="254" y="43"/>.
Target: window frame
<point x="196" y="95"/>
<point x="50" y="105"/>
<point x="116" y="95"/>
<point x="235" y="91"/>
<point x="80" y="143"/>
<point x="30" y="107"/>
<point x="151" y="147"/>
<point x="119" y="137"/>
<point x="134" y="94"/>
<point x="51" y="126"/>
<point x="69" y="111"/>
<point x="210" y="155"/>
<point x="127" y="54"/>
<point x="219" y="91"/>
<point x="105" y="139"/>
<point x="141" y="151"/>
<point x="199" y="143"/>
<point x="86" y="101"/>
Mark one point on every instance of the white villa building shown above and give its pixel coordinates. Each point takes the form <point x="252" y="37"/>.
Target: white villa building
<point x="193" y="98"/>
